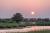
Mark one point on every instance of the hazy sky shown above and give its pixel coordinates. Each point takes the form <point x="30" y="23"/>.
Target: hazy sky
<point x="25" y="7"/>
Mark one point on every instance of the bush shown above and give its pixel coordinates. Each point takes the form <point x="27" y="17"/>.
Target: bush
<point x="22" y="24"/>
<point x="43" y="23"/>
<point x="8" y="25"/>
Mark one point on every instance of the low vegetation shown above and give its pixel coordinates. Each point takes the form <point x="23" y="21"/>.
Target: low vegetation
<point x="14" y="24"/>
<point x="18" y="21"/>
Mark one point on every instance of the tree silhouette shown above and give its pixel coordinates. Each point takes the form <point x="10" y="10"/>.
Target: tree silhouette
<point x="17" y="17"/>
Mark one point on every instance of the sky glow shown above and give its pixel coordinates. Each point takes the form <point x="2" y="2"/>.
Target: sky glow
<point x="10" y="7"/>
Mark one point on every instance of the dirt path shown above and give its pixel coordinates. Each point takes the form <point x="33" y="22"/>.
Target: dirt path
<point x="33" y="28"/>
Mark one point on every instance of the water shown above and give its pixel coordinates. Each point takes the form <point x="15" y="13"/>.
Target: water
<point x="31" y="28"/>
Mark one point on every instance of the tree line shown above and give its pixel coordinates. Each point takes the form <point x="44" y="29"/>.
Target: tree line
<point x="18" y="17"/>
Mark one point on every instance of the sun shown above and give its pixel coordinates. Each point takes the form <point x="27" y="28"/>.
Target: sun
<point x="32" y="13"/>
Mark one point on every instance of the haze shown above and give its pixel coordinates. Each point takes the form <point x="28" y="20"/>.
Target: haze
<point x="9" y="7"/>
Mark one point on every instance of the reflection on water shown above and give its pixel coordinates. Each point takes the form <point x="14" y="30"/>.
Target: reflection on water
<point x="27" y="29"/>
<point x="38" y="28"/>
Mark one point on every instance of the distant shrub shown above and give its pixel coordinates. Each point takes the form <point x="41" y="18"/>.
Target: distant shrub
<point x="43" y="23"/>
<point x="22" y="24"/>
